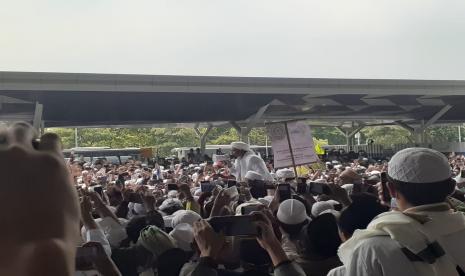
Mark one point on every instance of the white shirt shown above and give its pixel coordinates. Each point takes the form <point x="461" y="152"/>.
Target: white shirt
<point x="250" y="162"/>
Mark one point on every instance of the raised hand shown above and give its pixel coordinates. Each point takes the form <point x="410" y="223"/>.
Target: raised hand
<point x="37" y="193"/>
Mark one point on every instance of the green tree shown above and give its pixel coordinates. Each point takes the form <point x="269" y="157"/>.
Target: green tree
<point x="443" y="134"/>
<point x="331" y="134"/>
<point x="386" y="135"/>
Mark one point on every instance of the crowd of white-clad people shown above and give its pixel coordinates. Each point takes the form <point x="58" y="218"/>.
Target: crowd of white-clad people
<point x="238" y="216"/>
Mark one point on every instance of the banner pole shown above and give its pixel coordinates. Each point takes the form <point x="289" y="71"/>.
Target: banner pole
<point x="290" y="150"/>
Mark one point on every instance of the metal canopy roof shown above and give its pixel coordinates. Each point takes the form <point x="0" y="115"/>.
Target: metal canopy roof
<point x="70" y="99"/>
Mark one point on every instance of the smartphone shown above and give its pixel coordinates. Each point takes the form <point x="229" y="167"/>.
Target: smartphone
<point x="257" y="188"/>
<point x="231" y="183"/>
<point x="386" y="194"/>
<point x="206" y="187"/>
<point x="319" y="188"/>
<point x="284" y="191"/>
<point x="85" y="257"/>
<point x="235" y="225"/>
<point x="301" y="188"/>
<point x="462" y="173"/>
<point x="246" y="210"/>
<point x="99" y="190"/>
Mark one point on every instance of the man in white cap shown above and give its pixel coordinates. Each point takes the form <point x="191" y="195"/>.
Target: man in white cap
<point x="425" y="237"/>
<point x="247" y="161"/>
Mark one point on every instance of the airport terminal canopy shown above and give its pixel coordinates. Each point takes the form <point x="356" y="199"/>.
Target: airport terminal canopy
<point x="78" y="100"/>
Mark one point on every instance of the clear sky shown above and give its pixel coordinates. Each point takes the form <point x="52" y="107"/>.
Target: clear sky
<point x="421" y="39"/>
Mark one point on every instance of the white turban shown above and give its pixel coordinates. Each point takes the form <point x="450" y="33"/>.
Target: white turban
<point x="251" y="175"/>
<point x="240" y="146"/>
<point x="321" y="206"/>
<point x="285" y="173"/>
<point x="183" y="234"/>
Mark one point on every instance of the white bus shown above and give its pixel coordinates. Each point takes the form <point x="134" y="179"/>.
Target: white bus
<point x="210" y="150"/>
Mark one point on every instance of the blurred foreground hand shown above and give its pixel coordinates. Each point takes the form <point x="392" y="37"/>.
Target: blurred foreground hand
<point x="39" y="205"/>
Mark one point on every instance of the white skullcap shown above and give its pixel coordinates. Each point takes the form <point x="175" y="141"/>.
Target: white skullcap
<point x="184" y="216"/>
<point x="264" y="201"/>
<point x="419" y="165"/>
<point x="338" y="166"/>
<point x="183" y="234"/>
<point x="335" y="213"/>
<point x="172" y="194"/>
<point x="292" y="211"/>
<point x="285" y="173"/>
<point x="240" y="146"/>
<point x="251" y="175"/>
<point x="113" y="231"/>
<point x="321" y="206"/>
<point x="348" y="187"/>
<point x="139" y="209"/>
<point x="170" y="202"/>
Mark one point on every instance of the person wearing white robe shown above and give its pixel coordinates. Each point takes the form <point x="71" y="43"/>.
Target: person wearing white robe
<point x="247" y="161"/>
<point x="425" y="237"/>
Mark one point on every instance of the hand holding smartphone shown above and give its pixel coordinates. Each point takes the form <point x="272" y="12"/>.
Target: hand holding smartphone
<point x="243" y="226"/>
<point x="246" y="210"/>
<point x="284" y="191"/>
<point x="319" y="188"/>
<point x="85" y="257"/>
<point x="207" y="186"/>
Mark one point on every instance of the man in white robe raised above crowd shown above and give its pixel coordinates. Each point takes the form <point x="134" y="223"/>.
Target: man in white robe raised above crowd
<point x="247" y="160"/>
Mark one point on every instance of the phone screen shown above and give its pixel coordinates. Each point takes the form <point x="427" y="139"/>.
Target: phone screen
<point x="206" y="187"/>
<point x="232" y="183"/>
<point x="234" y="225"/>
<point x="85" y="257"/>
<point x="246" y="210"/>
<point x="284" y="191"/>
<point x="462" y="173"/>
<point x="301" y="188"/>
<point x="318" y="188"/>
<point x="99" y="190"/>
<point x="257" y="188"/>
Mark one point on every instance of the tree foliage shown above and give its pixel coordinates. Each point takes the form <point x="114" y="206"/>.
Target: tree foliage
<point x="165" y="139"/>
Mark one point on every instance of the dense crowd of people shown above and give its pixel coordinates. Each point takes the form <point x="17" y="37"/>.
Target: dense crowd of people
<point x="237" y="216"/>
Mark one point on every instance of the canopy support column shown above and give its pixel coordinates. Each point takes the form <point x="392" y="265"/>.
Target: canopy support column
<point x="252" y="122"/>
<point x="419" y="132"/>
<point x="349" y="134"/>
<point x="203" y="137"/>
<point x="37" y="121"/>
